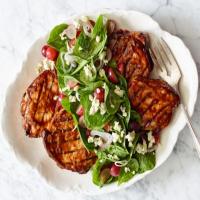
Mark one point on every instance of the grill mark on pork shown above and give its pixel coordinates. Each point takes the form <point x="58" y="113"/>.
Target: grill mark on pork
<point x="155" y="101"/>
<point x="154" y="112"/>
<point x="49" y="96"/>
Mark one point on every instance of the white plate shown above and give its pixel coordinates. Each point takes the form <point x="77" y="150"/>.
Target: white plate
<point x="31" y="151"/>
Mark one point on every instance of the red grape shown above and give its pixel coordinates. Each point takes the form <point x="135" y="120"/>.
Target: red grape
<point x="51" y="53"/>
<point x="99" y="94"/>
<point x="44" y="50"/>
<point x="115" y="170"/>
<point x="112" y="76"/>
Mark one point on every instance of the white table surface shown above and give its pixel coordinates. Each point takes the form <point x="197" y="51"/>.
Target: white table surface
<point x="23" y="21"/>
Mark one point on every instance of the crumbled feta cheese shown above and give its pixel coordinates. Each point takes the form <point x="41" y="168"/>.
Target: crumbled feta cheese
<point x="94" y="107"/>
<point x="39" y="68"/>
<point x="122" y="134"/>
<point x="98" y="39"/>
<point x="105" y="61"/>
<point x="88" y="71"/>
<point x="130" y="144"/>
<point x="76" y="88"/>
<point x="104" y="86"/>
<point x="118" y="91"/>
<point x="48" y="64"/>
<point x="45" y="64"/>
<point x="67" y="88"/>
<point x="80" y="48"/>
<point x="77" y="95"/>
<point x="130" y="136"/>
<point x="91" y="97"/>
<point x="127" y="169"/>
<point x="55" y="98"/>
<point x="102" y="55"/>
<point x="73" y="64"/>
<point x="105" y="20"/>
<point x="115" y="137"/>
<point x="117" y="126"/>
<point x="77" y="24"/>
<point x="69" y="48"/>
<point x="69" y="59"/>
<point x="98" y="142"/>
<point x="63" y="35"/>
<point x="151" y="139"/>
<point x="142" y="148"/>
<point x="113" y="157"/>
<point x="84" y="18"/>
<point x="112" y="106"/>
<point x="72" y="98"/>
<point x="102" y="108"/>
<point x="123" y="110"/>
<point x="101" y="72"/>
<point x="90" y="139"/>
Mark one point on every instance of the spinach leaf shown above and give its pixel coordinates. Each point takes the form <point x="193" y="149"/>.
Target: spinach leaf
<point x="135" y="116"/>
<point x="96" y="170"/>
<point x="90" y="49"/>
<point x="81" y="63"/>
<point x="85" y="78"/>
<point x="91" y="87"/>
<point x="127" y="106"/>
<point x="95" y="121"/>
<point x="146" y="161"/>
<point x="117" y="150"/>
<point x="112" y="63"/>
<point x="125" y="176"/>
<point x="84" y="139"/>
<point x="54" y="39"/>
<point x="122" y="80"/>
<point x="112" y="151"/>
<point x="61" y="65"/>
<point x="83" y="46"/>
<point x="71" y="107"/>
<point x="87" y="47"/>
<point x="134" y="143"/>
<point x="99" y="27"/>
<point x="63" y="79"/>
<point x="113" y="102"/>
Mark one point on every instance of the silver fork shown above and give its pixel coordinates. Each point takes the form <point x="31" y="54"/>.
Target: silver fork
<point x="169" y="70"/>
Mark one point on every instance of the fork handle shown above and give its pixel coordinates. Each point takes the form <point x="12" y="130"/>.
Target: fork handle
<point x="192" y="131"/>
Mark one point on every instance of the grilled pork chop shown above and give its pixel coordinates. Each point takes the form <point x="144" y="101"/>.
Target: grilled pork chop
<point x="64" y="145"/>
<point x="44" y="116"/>
<point x="38" y="104"/>
<point x="155" y="100"/>
<point x="131" y="50"/>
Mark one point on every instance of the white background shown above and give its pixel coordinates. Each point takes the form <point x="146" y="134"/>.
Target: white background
<point x="23" y="21"/>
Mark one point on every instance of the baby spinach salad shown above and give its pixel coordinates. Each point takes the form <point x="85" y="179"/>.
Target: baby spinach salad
<point x="93" y="89"/>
